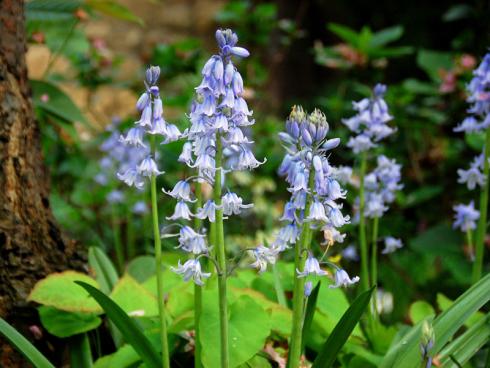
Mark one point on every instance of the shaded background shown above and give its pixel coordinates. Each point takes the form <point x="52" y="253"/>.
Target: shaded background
<point x="96" y="58"/>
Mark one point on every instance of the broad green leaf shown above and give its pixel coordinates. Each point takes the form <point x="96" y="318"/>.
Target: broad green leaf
<point x="309" y="313"/>
<point x="345" y="33"/>
<point x="128" y="328"/>
<point x="386" y="36"/>
<point x="342" y="331"/>
<point x="80" y="353"/>
<point x="433" y="61"/>
<point x="114" y="9"/>
<point x="457" y="12"/>
<point x="406" y="353"/>
<point x="23" y="346"/>
<point x="58" y="102"/>
<point x="102" y="266"/>
<point x="141" y="268"/>
<point x="465" y="346"/>
<point x="64" y="324"/>
<point x="134" y="299"/>
<point x="246" y="335"/>
<point x="58" y="290"/>
<point x="281" y="319"/>
<point x="256" y="362"/>
<point x="420" y="310"/>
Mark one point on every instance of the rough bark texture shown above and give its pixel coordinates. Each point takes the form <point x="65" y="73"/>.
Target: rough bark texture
<point x="31" y="245"/>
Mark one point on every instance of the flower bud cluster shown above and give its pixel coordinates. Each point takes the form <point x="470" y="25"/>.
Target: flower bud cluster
<point x="370" y="122"/>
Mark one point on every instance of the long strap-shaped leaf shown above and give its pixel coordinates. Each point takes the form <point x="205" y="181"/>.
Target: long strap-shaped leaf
<point x="309" y="313"/>
<point x="24" y="346"/>
<point x="342" y="331"/>
<point x="406" y="354"/>
<point x="130" y="331"/>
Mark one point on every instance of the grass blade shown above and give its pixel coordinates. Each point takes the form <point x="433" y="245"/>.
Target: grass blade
<point x="105" y="272"/>
<point x="80" y="353"/>
<point x="309" y="313"/>
<point x="130" y="331"/>
<point x="342" y="331"/>
<point x="24" y="346"/>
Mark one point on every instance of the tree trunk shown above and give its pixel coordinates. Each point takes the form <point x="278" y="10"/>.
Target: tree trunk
<point x="31" y="244"/>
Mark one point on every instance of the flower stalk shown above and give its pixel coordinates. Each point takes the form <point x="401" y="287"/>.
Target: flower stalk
<point x="221" y="256"/>
<point x="482" y="223"/>
<point x="295" y="345"/>
<point x="158" y="264"/>
<point x="374" y="263"/>
<point x="197" y="289"/>
<point x="116" y="230"/>
<point x="362" y="227"/>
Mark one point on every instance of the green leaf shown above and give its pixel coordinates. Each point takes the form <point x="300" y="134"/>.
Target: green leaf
<point x="133" y="298"/>
<point x="128" y="328"/>
<point x="433" y="61"/>
<point x="246" y="335"/>
<point x="406" y="353"/>
<point x="58" y="290"/>
<point x="467" y="345"/>
<point x="342" y="331"/>
<point x="458" y="11"/>
<point x="23" y="346"/>
<point x="58" y="102"/>
<point x="102" y="266"/>
<point x="309" y="312"/>
<point x="142" y="268"/>
<point x="51" y="10"/>
<point x="420" y="310"/>
<point x="386" y="36"/>
<point x="347" y="34"/>
<point x="80" y="353"/>
<point x="64" y="324"/>
<point x="114" y="9"/>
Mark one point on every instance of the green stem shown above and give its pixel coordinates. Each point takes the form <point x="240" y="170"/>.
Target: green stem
<point x="299" y="285"/>
<point x="116" y="231"/>
<point x="362" y="228"/>
<point x="221" y="255"/>
<point x="482" y="223"/>
<point x="80" y="352"/>
<point x="281" y="298"/>
<point x="374" y="263"/>
<point x="197" y="289"/>
<point x="131" y="250"/>
<point x="54" y="57"/>
<point x="469" y="240"/>
<point x="158" y="262"/>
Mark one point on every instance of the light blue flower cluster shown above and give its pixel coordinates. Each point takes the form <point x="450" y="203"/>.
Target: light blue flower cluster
<point x="380" y="186"/>
<point x="478" y="120"/>
<point x="219" y="116"/>
<point x="465" y="217"/>
<point x="310" y="178"/>
<point x="479" y="100"/>
<point x="118" y="157"/>
<point x="152" y="123"/>
<point x="370" y="122"/>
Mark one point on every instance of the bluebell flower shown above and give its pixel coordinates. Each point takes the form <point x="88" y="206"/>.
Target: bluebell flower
<point x="370" y="122"/>
<point x="181" y="190"/>
<point x="148" y="167"/>
<point x="262" y="257"/>
<point x="191" y="269"/>
<point x="208" y="211"/>
<point x="140" y="208"/>
<point x="350" y="253"/>
<point x="465" y="217"/>
<point x="233" y="204"/>
<point x="342" y="279"/>
<point x="191" y="241"/>
<point x="182" y="211"/>
<point x="115" y="196"/>
<point x="312" y="267"/>
<point x="473" y="176"/>
<point x="131" y="177"/>
<point x="308" y="288"/>
<point x="391" y="245"/>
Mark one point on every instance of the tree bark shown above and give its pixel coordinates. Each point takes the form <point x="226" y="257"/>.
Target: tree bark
<point x="31" y="244"/>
